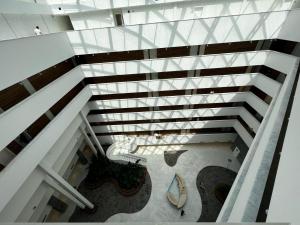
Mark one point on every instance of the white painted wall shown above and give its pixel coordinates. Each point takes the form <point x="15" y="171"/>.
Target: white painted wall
<point x="259" y="105"/>
<point x="247" y="190"/>
<point x="174" y="139"/>
<point x="73" y="6"/>
<point x="264" y="83"/>
<point x="18" y="203"/>
<point x="43" y="192"/>
<point x="39" y="52"/>
<point x="288" y="31"/>
<point x="26" y="7"/>
<point x="14" y="26"/>
<point x="6" y="156"/>
<point x="184" y="113"/>
<point x="22" y="115"/>
<point x="57" y="49"/>
<point x="19" y="199"/>
<point x="38" y="147"/>
<point x="174" y="11"/>
<point x="154" y="115"/>
<point x="243" y="133"/>
<point x="176" y="64"/>
<point x="92" y="20"/>
<point x="199" y="9"/>
<point x="287" y="186"/>
<point x="164" y="126"/>
<point x="181" y="33"/>
<point x="22" y="208"/>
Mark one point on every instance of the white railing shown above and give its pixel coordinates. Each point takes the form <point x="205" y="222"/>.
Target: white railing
<point x="122" y="151"/>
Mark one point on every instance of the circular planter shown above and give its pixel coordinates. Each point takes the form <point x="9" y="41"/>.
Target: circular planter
<point x="122" y="191"/>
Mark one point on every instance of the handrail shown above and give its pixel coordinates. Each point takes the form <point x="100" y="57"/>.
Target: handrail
<point x="128" y="156"/>
<point x="170" y="21"/>
<point x="140" y="24"/>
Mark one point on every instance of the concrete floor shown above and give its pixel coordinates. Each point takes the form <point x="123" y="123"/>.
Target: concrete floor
<point x="189" y="164"/>
<point x="109" y="202"/>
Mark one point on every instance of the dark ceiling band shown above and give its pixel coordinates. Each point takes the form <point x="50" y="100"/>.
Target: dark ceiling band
<point x="179" y="107"/>
<point x="267" y="71"/>
<point x="37" y="126"/>
<point x="278" y="45"/>
<point x="168" y="120"/>
<point x="179" y="131"/>
<point x="16" y="93"/>
<point x="243" y="123"/>
<point x="259" y="93"/>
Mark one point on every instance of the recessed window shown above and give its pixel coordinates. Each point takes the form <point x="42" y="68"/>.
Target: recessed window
<point x="198" y="11"/>
<point x="118" y="16"/>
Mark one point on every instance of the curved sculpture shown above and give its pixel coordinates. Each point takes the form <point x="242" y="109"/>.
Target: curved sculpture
<point x="181" y="193"/>
<point x="121" y="151"/>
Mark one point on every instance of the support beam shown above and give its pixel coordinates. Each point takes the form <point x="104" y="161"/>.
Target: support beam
<point x="65" y="185"/>
<point x="90" y="129"/>
<point x="28" y="86"/>
<point x="59" y="189"/>
<point x="88" y="141"/>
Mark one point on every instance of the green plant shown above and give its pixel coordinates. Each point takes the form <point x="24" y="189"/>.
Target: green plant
<point x="128" y="176"/>
<point x="131" y="176"/>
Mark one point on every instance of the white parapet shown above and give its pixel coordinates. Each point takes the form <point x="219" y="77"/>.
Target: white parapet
<point x="243" y="201"/>
<point x="224" y="29"/>
<point x="255" y="102"/>
<point x="250" y="58"/>
<point x="22" y="115"/>
<point x="22" y="58"/>
<point x="262" y="82"/>
<point x="16" y="173"/>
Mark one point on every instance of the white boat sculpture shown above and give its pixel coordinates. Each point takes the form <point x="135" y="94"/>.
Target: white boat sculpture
<point x="176" y="194"/>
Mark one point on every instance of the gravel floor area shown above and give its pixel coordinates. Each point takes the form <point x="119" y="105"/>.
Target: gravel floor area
<point x="110" y="202"/>
<point x="171" y="157"/>
<point x="208" y="180"/>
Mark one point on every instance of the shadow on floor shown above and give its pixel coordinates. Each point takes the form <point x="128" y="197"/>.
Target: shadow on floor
<point x="171" y="157"/>
<point x="110" y="201"/>
<point x="213" y="183"/>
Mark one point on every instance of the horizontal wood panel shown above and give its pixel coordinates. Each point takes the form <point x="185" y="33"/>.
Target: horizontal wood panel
<point x="45" y="77"/>
<point x="179" y="107"/>
<point x="247" y="88"/>
<point x="38" y="125"/>
<point x="14" y="147"/>
<point x="12" y="96"/>
<point x="267" y="71"/>
<point x="1" y="167"/>
<point x="170" y="120"/>
<point x="110" y="57"/>
<point x="179" y="131"/>
<point x="231" y="47"/>
<point x="55" y="109"/>
<point x="283" y="46"/>
<point x="173" y="52"/>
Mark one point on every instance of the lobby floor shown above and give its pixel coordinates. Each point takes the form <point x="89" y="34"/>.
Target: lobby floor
<point x="188" y="166"/>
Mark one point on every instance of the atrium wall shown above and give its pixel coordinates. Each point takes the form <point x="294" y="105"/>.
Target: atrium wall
<point x="193" y="80"/>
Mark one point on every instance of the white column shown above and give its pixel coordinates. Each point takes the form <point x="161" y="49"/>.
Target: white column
<point x="28" y="86"/>
<point x="59" y="189"/>
<point x="65" y="185"/>
<point x="89" y="142"/>
<point x="90" y="129"/>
